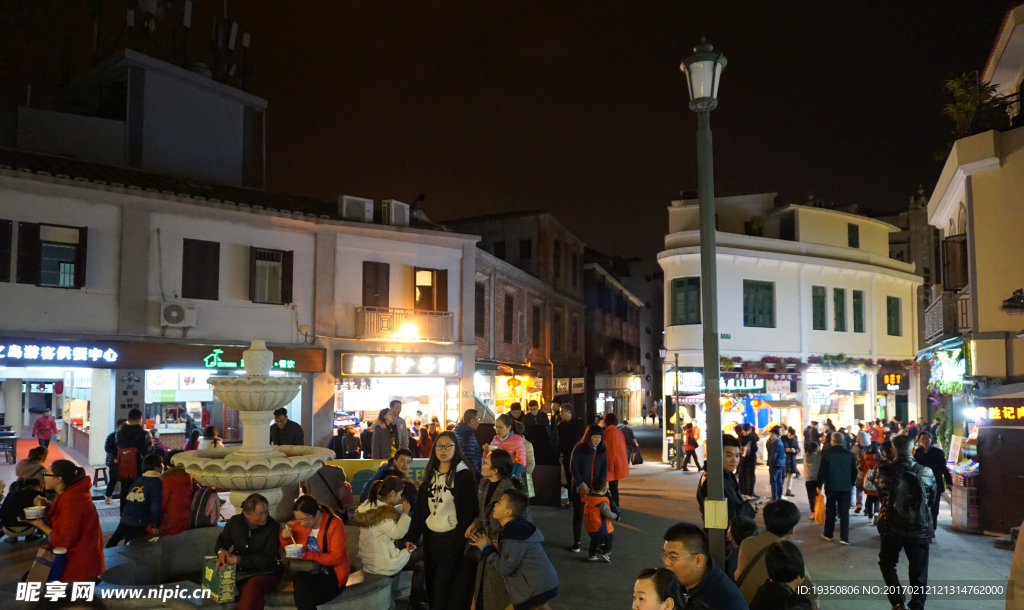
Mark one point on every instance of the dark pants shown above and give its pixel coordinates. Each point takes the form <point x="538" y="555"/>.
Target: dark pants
<point x="748" y="477"/>
<point x="613" y="492"/>
<point x="126" y="487"/>
<point x="812" y="493"/>
<point x="254" y="591"/>
<point x="417" y="595"/>
<point x="126" y="533"/>
<point x="111" y="480"/>
<point x="603" y="543"/>
<point x="44" y="443"/>
<point x="776" y="476"/>
<point x="691" y="453"/>
<point x="871" y="505"/>
<point x="311" y="590"/>
<point x="577" y="514"/>
<point x="448" y="573"/>
<point x="837" y="502"/>
<point x="935" y="511"/>
<point x="566" y="462"/>
<point x="917" y="557"/>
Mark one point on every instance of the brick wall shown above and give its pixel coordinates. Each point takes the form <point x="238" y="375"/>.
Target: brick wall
<point x="514" y="351"/>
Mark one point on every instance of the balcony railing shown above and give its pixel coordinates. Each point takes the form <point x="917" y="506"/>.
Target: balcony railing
<point x="404" y="324"/>
<point x="940" y="318"/>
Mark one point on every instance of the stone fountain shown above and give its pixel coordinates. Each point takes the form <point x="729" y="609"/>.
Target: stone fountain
<point x="256" y="466"/>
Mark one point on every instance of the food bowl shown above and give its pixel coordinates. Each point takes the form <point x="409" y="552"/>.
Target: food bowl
<point x="34" y="512"/>
<point x="293" y="550"/>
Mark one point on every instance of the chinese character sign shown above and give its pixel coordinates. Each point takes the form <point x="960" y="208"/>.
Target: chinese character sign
<point x="401" y="365"/>
<point x="19" y="354"/>
<point x="998" y="412"/>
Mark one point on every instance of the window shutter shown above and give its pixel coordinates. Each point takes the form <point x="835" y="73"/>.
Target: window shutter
<point x="81" y="256"/>
<point x="480" y="310"/>
<point x="6" y="234"/>
<point x="29" y="252"/>
<point x="200" y="269"/>
<point x="441" y="290"/>
<point x="383" y="285"/>
<point x="376" y="284"/>
<point x="252" y="273"/>
<point x="288" y="260"/>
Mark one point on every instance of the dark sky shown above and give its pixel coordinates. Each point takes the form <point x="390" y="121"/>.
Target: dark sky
<point x="579" y="107"/>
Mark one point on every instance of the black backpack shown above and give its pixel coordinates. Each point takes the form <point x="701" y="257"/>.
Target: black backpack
<point x="908" y="493"/>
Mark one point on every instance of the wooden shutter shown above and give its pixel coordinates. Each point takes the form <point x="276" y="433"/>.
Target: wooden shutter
<point x="954" y="262"/>
<point x="441" y="290"/>
<point x="376" y="284"/>
<point x="287" y="263"/>
<point x="6" y="236"/>
<point x="29" y="253"/>
<point x="200" y="269"/>
<point x="81" y="256"/>
<point x="252" y="273"/>
<point x="480" y="310"/>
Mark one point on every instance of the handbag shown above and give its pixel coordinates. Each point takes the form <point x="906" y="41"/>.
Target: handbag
<point x="819" y="509"/>
<point x="635" y="457"/>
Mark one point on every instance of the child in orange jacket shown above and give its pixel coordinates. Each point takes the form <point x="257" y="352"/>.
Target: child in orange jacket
<point x="597" y="518"/>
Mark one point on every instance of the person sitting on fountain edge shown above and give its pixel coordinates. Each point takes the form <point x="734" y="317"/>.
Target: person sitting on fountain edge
<point x="737" y="506"/>
<point x="397" y="466"/>
<point x="284" y="431"/>
<point x="250" y="542"/>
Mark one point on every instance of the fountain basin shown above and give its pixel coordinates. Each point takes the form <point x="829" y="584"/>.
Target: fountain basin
<point x="256" y="393"/>
<point x="232" y="468"/>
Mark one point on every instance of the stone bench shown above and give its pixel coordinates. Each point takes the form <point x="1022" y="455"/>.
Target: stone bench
<point x="177" y="560"/>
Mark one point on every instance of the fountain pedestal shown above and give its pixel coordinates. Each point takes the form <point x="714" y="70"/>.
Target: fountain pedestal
<point x="256" y="466"/>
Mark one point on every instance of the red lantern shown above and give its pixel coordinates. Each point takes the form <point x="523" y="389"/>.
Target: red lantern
<point x="58" y="387"/>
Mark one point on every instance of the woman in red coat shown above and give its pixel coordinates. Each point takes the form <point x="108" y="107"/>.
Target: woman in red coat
<point x="72" y="522"/>
<point x="323" y="540"/>
<point x="618" y="457"/>
<point x="176" y="505"/>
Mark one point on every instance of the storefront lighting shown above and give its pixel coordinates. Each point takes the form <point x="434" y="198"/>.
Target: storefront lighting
<point x="970" y="413"/>
<point x="408" y="331"/>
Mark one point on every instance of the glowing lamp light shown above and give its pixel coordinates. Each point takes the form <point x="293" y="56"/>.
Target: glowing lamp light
<point x="726" y="403"/>
<point x="757" y="403"/>
<point x="514" y="383"/>
<point x="408" y="331"/>
<point x="970" y="413"/>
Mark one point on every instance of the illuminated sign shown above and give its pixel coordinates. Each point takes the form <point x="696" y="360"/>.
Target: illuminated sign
<point x="401" y="365"/>
<point x="41" y="353"/>
<point x="999" y="412"/>
<point x="691" y="382"/>
<point x="578" y="385"/>
<point x="849" y="382"/>
<point x="562" y="385"/>
<point x="893" y="382"/>
<point x="213" y="360"/>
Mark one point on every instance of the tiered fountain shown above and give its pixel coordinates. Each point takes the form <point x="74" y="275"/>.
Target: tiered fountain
<point x="256" y="466"/>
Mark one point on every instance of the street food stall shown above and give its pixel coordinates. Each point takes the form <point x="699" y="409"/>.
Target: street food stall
<point x="988" y="473"/>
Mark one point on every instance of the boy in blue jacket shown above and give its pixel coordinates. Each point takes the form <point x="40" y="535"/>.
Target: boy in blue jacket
<point x="142" y="503"/>
<point x="520" y="557"/>
<point x="776" y="461"/>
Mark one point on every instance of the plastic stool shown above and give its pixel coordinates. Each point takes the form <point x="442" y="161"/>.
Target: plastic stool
<point x="101" y="470"/>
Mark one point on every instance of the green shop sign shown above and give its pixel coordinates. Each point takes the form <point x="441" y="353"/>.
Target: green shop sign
<point x="213" y="361"/>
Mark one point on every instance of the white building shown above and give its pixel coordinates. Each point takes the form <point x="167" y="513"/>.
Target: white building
<point x="126" y="288"/>
<point x="798" y="283"/>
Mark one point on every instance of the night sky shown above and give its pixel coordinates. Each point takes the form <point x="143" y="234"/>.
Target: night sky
<point x="578" y="108"/>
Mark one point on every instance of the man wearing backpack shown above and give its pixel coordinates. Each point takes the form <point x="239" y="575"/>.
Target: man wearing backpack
<point x="935" y="459"/>
<point x="905" y="521"/>
<point x="133" y="445"/>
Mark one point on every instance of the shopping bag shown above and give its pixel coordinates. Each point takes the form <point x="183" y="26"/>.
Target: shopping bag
<point x="47" y="566"/>
<point x="636" y="459"/>
<point x="819" y="509"/>
<point x="221" y="583"/>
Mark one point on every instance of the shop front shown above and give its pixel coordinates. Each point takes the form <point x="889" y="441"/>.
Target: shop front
<point x="95" y="383"/>
<point x="426" y="383"/>
<point x="988" y="466"/>
<point x="618" y="394"/>
<point x="836" y="396"/>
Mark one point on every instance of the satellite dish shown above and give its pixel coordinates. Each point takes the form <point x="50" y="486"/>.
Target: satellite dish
<point x="156" y="8"/>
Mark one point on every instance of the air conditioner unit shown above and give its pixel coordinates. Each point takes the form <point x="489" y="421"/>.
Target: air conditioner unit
<point x="177" y="315"/>
<point x="394" y="213"/>
<point x="355" y="208"/>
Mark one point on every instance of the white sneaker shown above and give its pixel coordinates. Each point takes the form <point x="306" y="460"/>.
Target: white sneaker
<point x="109" y="501"/>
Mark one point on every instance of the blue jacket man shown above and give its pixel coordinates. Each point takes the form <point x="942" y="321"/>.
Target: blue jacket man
<point x="776" y="461"/>
<point x="465" y="432"/>
<point x="142" y="502"/>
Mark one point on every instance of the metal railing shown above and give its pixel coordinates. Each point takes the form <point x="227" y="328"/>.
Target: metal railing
<point x="410" y="324"/>
<point x="940" y="318"/>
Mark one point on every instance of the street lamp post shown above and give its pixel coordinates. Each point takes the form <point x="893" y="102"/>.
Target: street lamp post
<point x="678" y="427"/>
<point x="703" y="70"/>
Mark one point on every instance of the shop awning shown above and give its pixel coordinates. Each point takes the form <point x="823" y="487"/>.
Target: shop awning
<point x="938" y="347"/>
<point x="509" y="368"/>
<point x="783" y="404"/>
<point x="486" y="366"/>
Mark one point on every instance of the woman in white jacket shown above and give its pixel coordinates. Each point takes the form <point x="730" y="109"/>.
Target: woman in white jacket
<point x="381" y="527"/>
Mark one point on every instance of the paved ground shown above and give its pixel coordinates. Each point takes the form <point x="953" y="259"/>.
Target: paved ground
<point x="653" y="498"/>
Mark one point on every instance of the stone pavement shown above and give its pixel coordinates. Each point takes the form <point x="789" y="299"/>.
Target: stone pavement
<point x="654" y="497"/>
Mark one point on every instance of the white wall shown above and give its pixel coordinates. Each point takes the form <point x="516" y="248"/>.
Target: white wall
<point x="232" y="316"/>
<point x="793" y="335"/>
<point x="92" y="309"/>
<point x="403" y="257"/>
<point x="191" y="131"/>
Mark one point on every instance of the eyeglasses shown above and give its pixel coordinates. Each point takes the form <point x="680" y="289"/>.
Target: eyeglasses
<point x="446" y="447"/>
<point x="47" y="474"/>
<point x="670" y="560"/>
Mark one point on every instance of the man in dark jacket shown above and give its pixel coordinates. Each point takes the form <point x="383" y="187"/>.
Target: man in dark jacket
<point x="284" y="431"/>
<point x="465" y="432"/>
<point x="570" y="431"/>
<point x="685" y="553"/>
<point x="776" y="461"/>
<point x="837" y="474"/>
<point x="110" y="447"/>
<point x="812" y="435"/>
<point x="366" y="440"/>
<point x="132" y="436"/>
<point x="250" y="541"/>
<point x="534" y="416"/>
<point x="934" y="458"/>
<point x="737" y="506"/>
<point x="397" y="466"/>
<point x="905" y="489"/>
